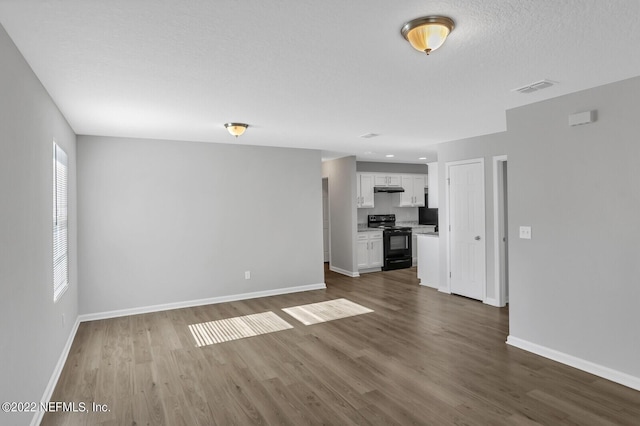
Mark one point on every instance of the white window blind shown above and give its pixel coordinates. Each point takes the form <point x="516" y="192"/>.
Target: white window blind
<point x="60" y="247"/>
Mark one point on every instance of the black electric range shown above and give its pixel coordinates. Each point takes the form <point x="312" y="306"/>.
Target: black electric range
<point x="397" y="251"/>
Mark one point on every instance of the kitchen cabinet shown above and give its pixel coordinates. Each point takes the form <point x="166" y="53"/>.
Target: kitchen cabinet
<point x="429" y="260"/>
<point x="432" y="178"/>
<point x="413" y="195"/>
<point x="364" y="190"/>
<point x="387" y="180"/>
<point x="415" y="231"/>
<point x="370" y="252"/>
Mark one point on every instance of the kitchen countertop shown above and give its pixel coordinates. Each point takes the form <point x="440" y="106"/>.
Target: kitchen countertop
<point x="362" y="227"/>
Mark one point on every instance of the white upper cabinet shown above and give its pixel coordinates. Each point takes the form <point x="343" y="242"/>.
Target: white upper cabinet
<point x="364" y="190"/>
<point x="413" y="195"/>
<point x="387" y="179"/>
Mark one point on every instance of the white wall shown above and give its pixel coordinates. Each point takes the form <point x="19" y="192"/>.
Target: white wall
<point x="485" y="147"/>
<point x="32" y="334"/>
<point x="164" y="222"/>
<point x="575" y="286"/>
<point x="341" y="174"/>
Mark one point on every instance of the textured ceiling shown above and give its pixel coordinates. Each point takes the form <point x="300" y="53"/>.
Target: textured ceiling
<point x="314" y="74"/>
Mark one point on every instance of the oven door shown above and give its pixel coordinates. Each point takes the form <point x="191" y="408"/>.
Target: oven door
<point x="397" y="244"/>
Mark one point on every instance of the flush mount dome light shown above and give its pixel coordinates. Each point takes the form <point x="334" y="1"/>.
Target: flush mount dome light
<point x="236" y="129"/>
<point x="426" y="34"/>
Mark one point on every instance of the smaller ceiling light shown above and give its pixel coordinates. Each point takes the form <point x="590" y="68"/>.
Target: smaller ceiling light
<point x="426" y="34"/>
<point x="236" y="129"/>
<point x="389" y="155"/>
<point x="422" y="158"/>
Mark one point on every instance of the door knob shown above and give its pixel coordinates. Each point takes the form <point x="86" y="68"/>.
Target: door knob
<point x="477" y="238"/>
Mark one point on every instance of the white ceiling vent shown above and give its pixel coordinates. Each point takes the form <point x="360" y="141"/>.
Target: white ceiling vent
<point x="368" y="135"/>
<point x="534" y="87"/>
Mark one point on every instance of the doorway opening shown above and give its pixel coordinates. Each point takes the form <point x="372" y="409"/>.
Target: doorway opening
<point x="501" y="227"/>
<point x="326" y="244"/>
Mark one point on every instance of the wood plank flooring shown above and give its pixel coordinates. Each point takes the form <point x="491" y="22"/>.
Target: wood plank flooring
<point x="422" y="358"/>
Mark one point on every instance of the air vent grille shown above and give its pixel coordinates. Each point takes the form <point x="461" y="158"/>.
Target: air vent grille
<point x="534" y="87"/>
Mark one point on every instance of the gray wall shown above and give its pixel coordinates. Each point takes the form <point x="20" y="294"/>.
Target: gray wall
<point x="372" y="166"/>
<point x="385" y="203"/>
<point x="574" y="287"/>
<point x="485" y="147"/>
<point x="165" y="221"/>
<point x="342" y="212"/>
<point x="32" y="335"/>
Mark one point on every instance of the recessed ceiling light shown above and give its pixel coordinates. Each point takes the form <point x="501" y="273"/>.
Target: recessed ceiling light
<point x="389" y="155"/>
<point x="368" y="135"/>
<point x="422" y="158"/>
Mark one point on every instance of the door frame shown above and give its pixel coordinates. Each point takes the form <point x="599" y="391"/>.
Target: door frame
<point x="325" y="178"/>
<point x="448" y="166"/>
<point x="498" y="193"/>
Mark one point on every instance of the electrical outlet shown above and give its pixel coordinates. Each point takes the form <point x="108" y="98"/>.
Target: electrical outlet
<point x="525" y="232"/>
<point x="247" y="275"/>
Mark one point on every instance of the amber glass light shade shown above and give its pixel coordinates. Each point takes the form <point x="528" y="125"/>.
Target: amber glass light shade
<point x="236" y="129"/>
<point x="428" y="33"/>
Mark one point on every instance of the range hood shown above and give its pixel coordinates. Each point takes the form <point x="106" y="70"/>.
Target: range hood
<point x="388" y="189"/>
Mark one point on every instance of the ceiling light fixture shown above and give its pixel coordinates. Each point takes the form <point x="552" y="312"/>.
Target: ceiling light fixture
<point x="368" y="135"/>
<point x="426" y="34"/>
<point x="236" y="129"/>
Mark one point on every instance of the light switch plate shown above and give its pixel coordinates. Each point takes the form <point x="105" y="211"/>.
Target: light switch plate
<point x="525" y="232"/>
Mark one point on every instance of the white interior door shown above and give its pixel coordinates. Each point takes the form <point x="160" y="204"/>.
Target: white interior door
<point x="467" y="229"/>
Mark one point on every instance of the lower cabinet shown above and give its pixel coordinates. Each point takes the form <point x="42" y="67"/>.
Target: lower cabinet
<point x="370" y="250"/>
<point x="414" y="244"/>
<point x="429" y="260"/>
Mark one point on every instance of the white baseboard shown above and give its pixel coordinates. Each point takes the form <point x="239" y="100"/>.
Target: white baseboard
<point x="48" y="392"/>
<point x="493" y="302"/>
<point x="199" y="302"/>
<point x="430" y="285"/>
<point x="344" y="272"/>
<point x="579" y="363"/>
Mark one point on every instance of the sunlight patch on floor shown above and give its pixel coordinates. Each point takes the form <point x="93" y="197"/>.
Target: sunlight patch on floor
<point x="225" y="330"/>
<point x="330" y="310"/>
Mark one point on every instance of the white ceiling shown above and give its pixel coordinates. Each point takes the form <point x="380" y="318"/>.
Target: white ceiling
<point x="314" y="74"/>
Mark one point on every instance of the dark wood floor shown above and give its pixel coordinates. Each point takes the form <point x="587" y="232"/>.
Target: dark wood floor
<point x="422" y="357"/>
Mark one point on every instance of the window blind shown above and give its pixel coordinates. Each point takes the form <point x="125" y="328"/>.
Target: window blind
<point x="60" y="248"/>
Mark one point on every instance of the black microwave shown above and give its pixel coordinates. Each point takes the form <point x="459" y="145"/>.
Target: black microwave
<point x="427" y="216"/>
